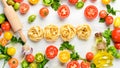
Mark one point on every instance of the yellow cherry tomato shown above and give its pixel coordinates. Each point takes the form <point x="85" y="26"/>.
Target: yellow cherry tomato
<point x="64" y="56"/>
<point x="33" y="1"/>
<point x="11" y="51"/>
<point x="116" y="22"/>
<point x="105" y="1"/>
<point x="8" y="35"/>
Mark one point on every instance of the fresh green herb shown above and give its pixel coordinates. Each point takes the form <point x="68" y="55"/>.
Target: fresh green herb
<point x="43" y="63"/>
<point x="56" y="4"/>
<point x="17" y="40"/>
<point x="74" y="56"/>
<point x="107" y="35"/>
<point x="110" y="10"/>
<point x="117" y="56"/>
<point x="66" y="45"/>
<point x="113" y="0"/>
<point x="4" y="55"/>
<point x="102" y="20"/>
<point x="113" y="51"/>
<point x="2" y="49"/>
<point x="92" y="65"/>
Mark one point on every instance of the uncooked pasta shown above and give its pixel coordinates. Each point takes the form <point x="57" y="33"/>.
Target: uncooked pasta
<point x="83" y="31"/>
<point x="67" y="32"/>
<point x="51" y="33"/>
<point x="35" y="33"/>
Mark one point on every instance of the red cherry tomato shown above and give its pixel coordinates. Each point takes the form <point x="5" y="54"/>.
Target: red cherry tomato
<point x="44" y="12"/>
<point x="117" y="46"/>
<point x="91" y="12"/>
<point x="103" y="14"/>
<point x="18" y="1"/>
<point x="51" y="52"/>
<point x="63" y="11"/>
<point x="73" y="64"/>
<point x="93" y="0"/>
<point x="85" y="64"/>
<point x="5" y="26"/>
<point x="109" y="20"/>
<point x="29" y="58"/>
<point x="73" y="1"/>
<point x="24" y="7"/>
<point x="89" y="56"/>
<point x="116" y="35"/>
<point x="0" y="31"/>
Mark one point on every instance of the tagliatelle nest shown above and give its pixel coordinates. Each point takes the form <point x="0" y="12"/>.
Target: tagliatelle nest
<point x="35" y="33"/>
<point x="83" y="31"/>
<point x="51" y="33"/>
<point x="67" y="32"/>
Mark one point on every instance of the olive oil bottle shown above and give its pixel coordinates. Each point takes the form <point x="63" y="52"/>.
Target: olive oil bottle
<point x="102" y="59"/>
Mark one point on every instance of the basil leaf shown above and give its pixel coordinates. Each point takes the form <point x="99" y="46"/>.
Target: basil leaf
<point x="102" y="20"/>
<point x="92" y="65"/>
<point x="108" y="6"/>
<point x="74" y="56"/>
<point x="107" y="35"/>
<point x="55" y="5"/>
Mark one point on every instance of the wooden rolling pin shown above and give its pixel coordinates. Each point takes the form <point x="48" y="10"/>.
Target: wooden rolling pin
<point x="13" y="19"/>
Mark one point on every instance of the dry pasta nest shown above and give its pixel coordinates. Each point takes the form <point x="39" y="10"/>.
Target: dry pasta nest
<point x="67" y="32"/>
<point x="51" y="33"/>
<point x="35" y="33"/>
<point x="83" y="31"/>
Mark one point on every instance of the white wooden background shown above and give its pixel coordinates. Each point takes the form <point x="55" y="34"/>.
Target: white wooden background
<point x="76" y="17"/>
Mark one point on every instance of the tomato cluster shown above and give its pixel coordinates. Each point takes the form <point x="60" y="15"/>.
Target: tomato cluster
<point x="108" y="19"/>
<point x="116" y="37"/>
<point x="5" y="28"/>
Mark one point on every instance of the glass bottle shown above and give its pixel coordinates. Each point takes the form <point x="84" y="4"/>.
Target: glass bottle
<point x="102" y="59"/>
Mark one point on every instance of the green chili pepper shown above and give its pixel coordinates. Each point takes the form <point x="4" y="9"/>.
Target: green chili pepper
<point x="79" y="5"/>
<point x="31" y="18"/>
<point x="24" y="64"/>
<point x="47" y="2"/>
<point x="2" y="56"/>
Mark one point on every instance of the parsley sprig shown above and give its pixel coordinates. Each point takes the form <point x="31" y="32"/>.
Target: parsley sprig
<point x="102" y="20"/>
<point x="4" y="55"/>
<point x="67" y="46"/>
<point x="55" y="5"/>
<point x="111" y="10"/>
<point x="107" y="35"/>
<point x="17" y="40"/>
